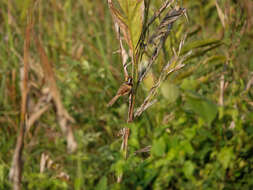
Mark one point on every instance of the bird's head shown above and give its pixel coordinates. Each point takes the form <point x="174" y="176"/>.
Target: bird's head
<point x="129" y="80"/>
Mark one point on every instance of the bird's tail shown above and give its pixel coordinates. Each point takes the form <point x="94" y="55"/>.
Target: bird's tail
<point x="113" y="100"/>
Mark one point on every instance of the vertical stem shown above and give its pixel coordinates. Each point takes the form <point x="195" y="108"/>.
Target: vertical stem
<point x="130" y="118"/>
<point x="131" y="108"/>
<point x="126" y="133"/>
<point x="15" y="174"/>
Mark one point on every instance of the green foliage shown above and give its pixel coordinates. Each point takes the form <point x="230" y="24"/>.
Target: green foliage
<point x="40" y="181"/>
<point x="198" y="141"/>
<point x="202" y="107"/>
<point x="170" y="92"/>
<point x="102" y="185"/>
<point x="132" y="14"/>
<point x="129" y="17"/>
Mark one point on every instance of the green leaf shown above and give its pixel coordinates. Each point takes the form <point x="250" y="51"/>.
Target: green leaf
<point x="129" y="17"/>
<point x="215" y="59"/>
<point x="119" y="166"/>
<point x="158" y="147"/>
<point x="198" y="44"/>
<point x="189" y="133"/>
<point x="133" y="17"/>
<point x="149" y="176"/>
<point x="170" y="92"/>
<point x="189" y="84"/>
<point x="202" y="107"/>
<point x="225" y="156"/>
<point x="171" y="154"/>
<point x="1" y="173"/>
<point x="102" y="185"/>
<point x="134" y="141"/>
<point x="188" y="169"/>
<point x="202" y="51"/>
<point x="186" y="147"/>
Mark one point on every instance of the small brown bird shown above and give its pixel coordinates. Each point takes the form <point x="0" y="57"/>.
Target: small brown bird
<point x="124" y="89"/>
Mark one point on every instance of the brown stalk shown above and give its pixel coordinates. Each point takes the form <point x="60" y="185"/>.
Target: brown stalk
<point x="63" y="116"/>
<point x="250" y="82"/>
<point x="222" y="16"/>
<point x="126" y="131"/>
<point x="123" y="52"/>
<point x="13" y="87"/>
<point x="15" y="174"/>
<point x="222" y="84"/>
<point x="131" y="107"/>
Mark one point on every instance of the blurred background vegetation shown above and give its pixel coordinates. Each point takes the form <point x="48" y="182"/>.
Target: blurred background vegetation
<point x="201" y="128"/>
